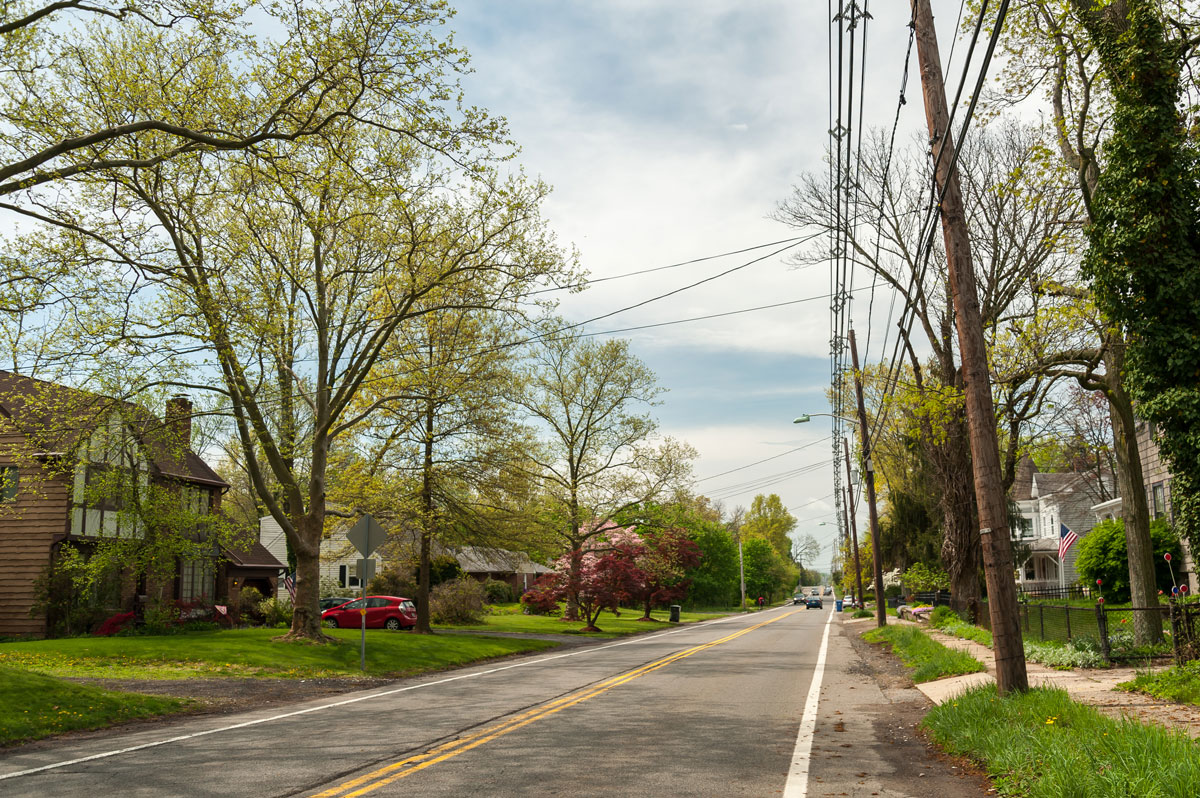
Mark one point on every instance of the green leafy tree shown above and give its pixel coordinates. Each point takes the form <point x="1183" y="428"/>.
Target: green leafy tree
<point x="769" y="520"/>
<point x="1144" y="238"/>
<point x="768" y="574"/>
<point x="599" y="458"/>
<point x="1102" y="555"/>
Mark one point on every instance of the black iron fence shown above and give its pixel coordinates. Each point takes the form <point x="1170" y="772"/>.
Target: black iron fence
<point x="1054" y="591"/>
<point x="1185" y="631"/>
<point x="1112" y="631"/>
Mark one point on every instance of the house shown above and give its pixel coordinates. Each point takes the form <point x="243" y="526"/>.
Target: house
<point x="1157" y="478"/>
<point x="1045" y="503"/>
<point x="513" y="567"/>
<point x="69" y="462"/>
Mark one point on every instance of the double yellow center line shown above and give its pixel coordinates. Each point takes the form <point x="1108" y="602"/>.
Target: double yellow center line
<point x="406" y="767"/>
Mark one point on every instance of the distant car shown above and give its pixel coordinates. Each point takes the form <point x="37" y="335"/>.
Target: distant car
<point x="334" y="601"/>
<point x="797" y="599"/>
<point x="813" y="602"/>
<point x="828" y="591"/>
<point x="816" y="591"/>
<point x="383" y="612"/>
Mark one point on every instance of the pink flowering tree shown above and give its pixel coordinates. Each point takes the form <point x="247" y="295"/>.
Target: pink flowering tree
<point x="597" y="577"/>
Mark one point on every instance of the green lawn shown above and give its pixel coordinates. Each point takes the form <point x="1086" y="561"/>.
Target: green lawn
<point x="251" y="653"/>
<point x="510" y="618"/>
<point x="929" y="659"/>
<point x="1041" y="744"/>
<point x="33" y="706"/>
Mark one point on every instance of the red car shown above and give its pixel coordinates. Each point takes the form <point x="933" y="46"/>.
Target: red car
<point x="383" y="612"/>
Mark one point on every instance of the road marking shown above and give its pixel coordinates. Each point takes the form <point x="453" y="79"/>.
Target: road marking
<point x="355" y="700"/>
<point x="797" y="780"/>
<point x="388" y="774"/>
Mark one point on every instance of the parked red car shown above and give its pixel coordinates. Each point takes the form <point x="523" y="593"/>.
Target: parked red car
<point x="383" y="612"/>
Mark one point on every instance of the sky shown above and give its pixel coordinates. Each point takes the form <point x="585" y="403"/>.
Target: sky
<point x="670" y="130"/>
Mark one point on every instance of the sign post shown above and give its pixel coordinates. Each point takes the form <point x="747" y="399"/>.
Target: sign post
<point x="366" y="535"/>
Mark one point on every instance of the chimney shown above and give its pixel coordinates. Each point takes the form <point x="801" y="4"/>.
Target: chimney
<point x="178" y="420"/>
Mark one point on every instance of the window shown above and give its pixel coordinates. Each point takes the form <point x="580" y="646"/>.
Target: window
<point x="197" y="581"/>
<point x="1159" y="508"/>
<point x="1024" y="527"/>
<point x="10" y="483"/>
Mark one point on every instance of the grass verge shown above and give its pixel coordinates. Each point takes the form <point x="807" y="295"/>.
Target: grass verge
<point x="1179" y="683"/>
<point x="33" y="706"/>
<point x="251" y="653"/>
<point x="929" y="659"/>
<point x="511" y="618"/>
<point x="1041" y="744"/>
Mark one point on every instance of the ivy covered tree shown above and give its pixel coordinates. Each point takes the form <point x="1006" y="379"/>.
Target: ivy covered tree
<point x="1144" y="254"/>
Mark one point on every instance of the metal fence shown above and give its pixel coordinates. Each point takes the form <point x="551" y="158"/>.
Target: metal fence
<point x="1185" y="631"/>
<point x="1054" y="591"/>
<point x="1113" y="631"/>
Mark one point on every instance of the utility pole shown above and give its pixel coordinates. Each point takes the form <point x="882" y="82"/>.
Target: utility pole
<point x="852" y="523"/>
<point x="869" y="484"/>
<point x="985" y="450"/>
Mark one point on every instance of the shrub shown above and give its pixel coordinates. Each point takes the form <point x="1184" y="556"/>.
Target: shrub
<point x="391" y="581"/>
<point x="498" y="592"/>
<point x="276" y="611"/>
<point x="247" y="607"/>
<point x="941" y="616"/>
<point x="542" y="598"/>
<point x="328" y="586"/>
<point x="458" y="601"/>
<point x="1102" y="555"/>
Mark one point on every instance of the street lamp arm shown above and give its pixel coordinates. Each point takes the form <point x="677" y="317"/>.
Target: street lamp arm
<point x="806" y="417"/>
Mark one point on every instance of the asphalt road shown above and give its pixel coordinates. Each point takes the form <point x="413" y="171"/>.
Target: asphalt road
<point x="736" y="707"/>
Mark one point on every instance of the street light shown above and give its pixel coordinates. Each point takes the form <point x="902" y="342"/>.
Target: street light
<point x="806" y="417"/>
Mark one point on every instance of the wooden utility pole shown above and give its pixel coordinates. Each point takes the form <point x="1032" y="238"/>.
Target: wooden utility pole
<point x="853" y="523"/>
<point x="985" y="450"/>
<point x="869" y="484"/>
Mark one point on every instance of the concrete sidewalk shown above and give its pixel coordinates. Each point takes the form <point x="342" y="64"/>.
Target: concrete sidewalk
<point x="1089" y="686"/>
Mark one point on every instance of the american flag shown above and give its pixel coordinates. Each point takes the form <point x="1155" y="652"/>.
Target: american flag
<point x="1066" y="538"/>
<point x="290" y="583"/>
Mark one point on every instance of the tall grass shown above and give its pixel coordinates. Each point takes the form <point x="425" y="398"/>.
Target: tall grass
<point x="929" y="658"/>
<point x="1041" y="744"/>
<point x="1180" y="683"/>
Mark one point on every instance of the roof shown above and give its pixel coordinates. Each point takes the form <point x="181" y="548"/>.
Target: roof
<point x="1075" y="494"/>
<point x="254" y="556"/>
<point x="480" y="560"/>
<point x="55" y="419"/>
<point x="1022" y="487"/>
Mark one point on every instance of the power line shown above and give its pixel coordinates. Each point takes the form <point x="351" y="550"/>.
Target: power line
<point x="760" y="462"/>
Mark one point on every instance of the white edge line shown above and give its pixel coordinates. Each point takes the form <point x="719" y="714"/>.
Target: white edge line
<point x="355" y="700"/>
<point x="797" y="780"/>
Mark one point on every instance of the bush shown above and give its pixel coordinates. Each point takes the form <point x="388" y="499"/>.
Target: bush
<point x="1102" y="555"/>
<point x="498" y="592"/>
<point x="458" y="601"/>
<point x="391" y="582"/>
<point x="941" y="616"/>
<point x="542" y="598"/>
<point x="247" y="607"/>
<point x="276" y="611"/>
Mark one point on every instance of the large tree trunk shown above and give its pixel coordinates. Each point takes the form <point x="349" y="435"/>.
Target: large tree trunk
<point x="961" y="550"/>
<point x="423" y="574"/>
<point x="1147" y="626"/>
<point x="574" y="579"/>
<point x="306" y="613"/>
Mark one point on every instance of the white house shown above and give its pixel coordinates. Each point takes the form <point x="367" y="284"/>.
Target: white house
<point x="1044" y="504"/>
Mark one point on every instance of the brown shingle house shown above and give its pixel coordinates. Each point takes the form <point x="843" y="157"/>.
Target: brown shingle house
<point x="62" y="451"/>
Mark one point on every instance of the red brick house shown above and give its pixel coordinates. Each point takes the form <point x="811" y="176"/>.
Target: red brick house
<point x="61" y="450"/>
